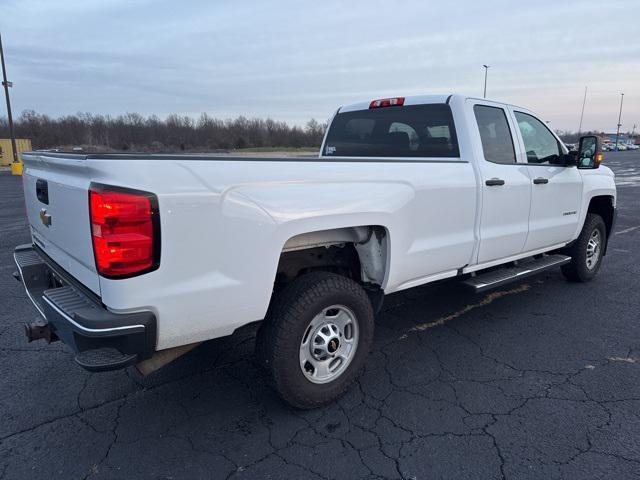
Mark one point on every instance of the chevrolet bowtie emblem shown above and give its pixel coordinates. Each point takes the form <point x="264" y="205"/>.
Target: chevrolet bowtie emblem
<point x="45" y="218"/>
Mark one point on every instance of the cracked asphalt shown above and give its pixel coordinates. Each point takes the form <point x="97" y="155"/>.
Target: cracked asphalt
<point x="539" y="380"/>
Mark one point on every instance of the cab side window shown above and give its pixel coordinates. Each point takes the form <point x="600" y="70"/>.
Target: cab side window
<point x="539" y="143"/>
<point x="497" y="142"/>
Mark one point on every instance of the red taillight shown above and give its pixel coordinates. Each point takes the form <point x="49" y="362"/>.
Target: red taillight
<point x="125" y="228"/>
<point x="387" y="102"/>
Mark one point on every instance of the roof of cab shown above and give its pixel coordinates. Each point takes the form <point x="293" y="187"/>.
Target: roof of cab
<point x="410" y="100"/>
<point x="420" y="100"/>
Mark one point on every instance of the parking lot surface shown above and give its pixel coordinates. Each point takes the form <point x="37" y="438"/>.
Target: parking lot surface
<point x="539" y="379"/>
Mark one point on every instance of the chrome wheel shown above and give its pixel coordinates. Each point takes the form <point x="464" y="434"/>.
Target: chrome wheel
<point x="329" y="344"/>
<point x="593" y="249"/>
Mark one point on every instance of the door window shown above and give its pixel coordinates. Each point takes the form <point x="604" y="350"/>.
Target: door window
<point x="497" y="143"/>
<point x="539" y="143"/>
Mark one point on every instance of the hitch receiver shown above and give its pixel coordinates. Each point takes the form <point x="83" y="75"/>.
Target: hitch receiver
<point x="38" y="330"/>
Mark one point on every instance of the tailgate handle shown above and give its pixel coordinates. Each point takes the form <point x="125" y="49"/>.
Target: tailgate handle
<point x="42" y="191"/>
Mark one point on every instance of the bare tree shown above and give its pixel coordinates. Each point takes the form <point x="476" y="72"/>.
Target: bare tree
<point x="135" y="132"/>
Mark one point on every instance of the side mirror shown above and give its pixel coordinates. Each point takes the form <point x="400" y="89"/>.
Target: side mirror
<point x="589" y="152"/>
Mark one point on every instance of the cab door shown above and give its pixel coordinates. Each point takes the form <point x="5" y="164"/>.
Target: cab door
<point x="505" y="183"/>
<point x="556" y="190"/>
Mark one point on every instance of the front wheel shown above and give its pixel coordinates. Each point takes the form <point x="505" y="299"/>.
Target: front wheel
<point x="587" y="251"/>
<point x="316" y="338"/>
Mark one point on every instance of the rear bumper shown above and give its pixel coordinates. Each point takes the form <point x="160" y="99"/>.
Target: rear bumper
<point x="102" y="340"/>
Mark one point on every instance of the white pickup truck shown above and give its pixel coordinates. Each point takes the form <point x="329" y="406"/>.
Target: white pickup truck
<point x="137" y="257"/>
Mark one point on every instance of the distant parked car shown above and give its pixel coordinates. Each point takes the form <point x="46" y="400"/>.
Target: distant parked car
<point x="622" y="147"/>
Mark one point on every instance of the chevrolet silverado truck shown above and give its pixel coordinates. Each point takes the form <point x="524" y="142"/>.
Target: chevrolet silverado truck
<point x="136" y="258"/>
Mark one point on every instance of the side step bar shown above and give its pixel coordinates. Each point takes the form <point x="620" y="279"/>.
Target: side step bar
<point x="502" y="276"/>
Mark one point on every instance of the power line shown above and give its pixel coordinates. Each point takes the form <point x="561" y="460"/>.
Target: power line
<point x="584" y="100"/>
<point x="6" y="84"/>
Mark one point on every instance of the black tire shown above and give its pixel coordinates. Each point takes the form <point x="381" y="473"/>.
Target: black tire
<point x="577" y="270"/>
<point x="288" y="319"/>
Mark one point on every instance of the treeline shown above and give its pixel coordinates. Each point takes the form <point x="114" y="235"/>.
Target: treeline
<point x="135" y="132"/>
<point x="568" y="136"/>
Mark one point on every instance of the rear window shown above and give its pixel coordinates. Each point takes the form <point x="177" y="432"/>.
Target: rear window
<point x="407" y="131"/>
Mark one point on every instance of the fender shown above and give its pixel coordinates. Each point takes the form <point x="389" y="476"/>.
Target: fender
<point x="595" y="183"/>
<point x="290" y="210"/>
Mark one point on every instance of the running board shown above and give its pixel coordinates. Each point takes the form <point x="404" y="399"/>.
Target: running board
<point x="502" y="276"/>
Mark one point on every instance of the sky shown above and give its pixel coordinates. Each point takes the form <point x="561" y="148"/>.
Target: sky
<point x="296" y="60"/>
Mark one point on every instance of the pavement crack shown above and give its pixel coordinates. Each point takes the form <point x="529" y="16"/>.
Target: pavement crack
<point x="114" y="431"/>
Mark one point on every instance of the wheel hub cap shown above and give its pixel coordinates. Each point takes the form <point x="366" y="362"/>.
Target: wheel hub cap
<point x="325" y="341"/>
<point x="593" y="250"/>
<point x="329" y="344"/>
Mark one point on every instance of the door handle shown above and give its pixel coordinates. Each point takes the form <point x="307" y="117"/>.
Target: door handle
<point x="494" y="182"/>
<point x="540" y="180"/>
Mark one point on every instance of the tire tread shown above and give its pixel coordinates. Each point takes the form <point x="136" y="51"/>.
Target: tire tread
<point x="283" y="317"/>
<point x="576" y="270"/>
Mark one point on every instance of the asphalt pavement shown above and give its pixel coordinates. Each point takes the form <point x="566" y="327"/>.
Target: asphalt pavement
<point x="538" y="380"/>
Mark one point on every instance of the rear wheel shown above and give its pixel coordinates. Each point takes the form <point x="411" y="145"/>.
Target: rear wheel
<point x="586" y="253"/>
<point x="316" y="338"/>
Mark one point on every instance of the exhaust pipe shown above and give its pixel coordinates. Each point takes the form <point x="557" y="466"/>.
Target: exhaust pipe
<point x="163" y="357"/>
<point x="36" y="331"/>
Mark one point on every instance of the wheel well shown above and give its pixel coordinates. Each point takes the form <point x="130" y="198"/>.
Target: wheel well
<point x="603" y="206"/>
<point x="342" y="259"/>
<point x="359" y="253"/>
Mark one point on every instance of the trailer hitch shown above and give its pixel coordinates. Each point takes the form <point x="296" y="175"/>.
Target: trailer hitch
<point x="38" y="330"/>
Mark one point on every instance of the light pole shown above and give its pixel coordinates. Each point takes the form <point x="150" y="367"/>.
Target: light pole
<point x="619" y="117"/>
<point x="486" y="69"/>
<point x="584" y="100"/>
<point x="6" y="84"/>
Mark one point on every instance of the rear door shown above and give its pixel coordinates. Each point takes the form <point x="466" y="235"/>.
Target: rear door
<point x="556" y="190"/>
<point x="505" y="183"/>
<point x="57" y="203"/>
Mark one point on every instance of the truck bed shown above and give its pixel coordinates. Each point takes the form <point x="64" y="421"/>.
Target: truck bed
<point x="225" y="220"/>
<point x="212" y="157"/>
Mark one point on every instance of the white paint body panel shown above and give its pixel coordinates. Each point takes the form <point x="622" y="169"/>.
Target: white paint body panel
<point x="504" y="216"/>
<point x="224" y="223"/>
<point x="555" y="206"/>
<point x="68" y="239"/>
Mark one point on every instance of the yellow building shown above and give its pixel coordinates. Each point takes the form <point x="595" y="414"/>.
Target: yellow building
<point x="6" y="153"/>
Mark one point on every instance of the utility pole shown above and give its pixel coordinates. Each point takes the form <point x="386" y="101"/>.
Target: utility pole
<point x="619" y="117"/>
<point x="6" y="84"/>
<point x="584" y="100"/>
<point x="486" y="69"/>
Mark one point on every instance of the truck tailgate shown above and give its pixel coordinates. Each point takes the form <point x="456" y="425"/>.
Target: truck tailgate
<point x="57" y="204"/>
